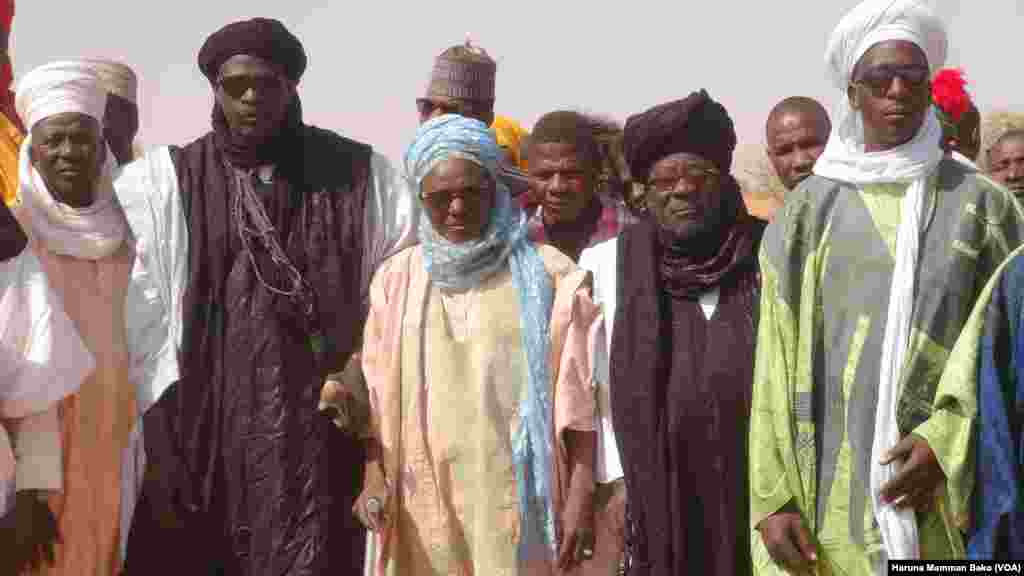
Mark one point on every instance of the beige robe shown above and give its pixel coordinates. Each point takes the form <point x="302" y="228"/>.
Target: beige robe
<point x="445" y="395"/>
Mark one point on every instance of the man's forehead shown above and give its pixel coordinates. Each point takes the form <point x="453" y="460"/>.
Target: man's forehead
<point x="245" y="64"/>
<point x="896" y="52"/>
<point x="1013" y="144"/>
<point x="66" y="121"/>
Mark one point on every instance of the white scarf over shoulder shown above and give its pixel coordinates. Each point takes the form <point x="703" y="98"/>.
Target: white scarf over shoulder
<point x="845" y="159"/>
<point x="90" y="233"/>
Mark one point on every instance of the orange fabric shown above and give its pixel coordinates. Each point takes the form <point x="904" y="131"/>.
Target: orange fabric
<point x="97" y="421"/>
<point x="509" y="135"/>
<point x="11" y="138"/>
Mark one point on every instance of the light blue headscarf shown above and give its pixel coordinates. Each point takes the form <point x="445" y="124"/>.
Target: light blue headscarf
<point x="465" y="265"/>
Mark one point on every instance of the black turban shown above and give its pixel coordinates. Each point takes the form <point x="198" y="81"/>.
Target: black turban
<point x="260" y="37"/>
<point x="695" y="125"/>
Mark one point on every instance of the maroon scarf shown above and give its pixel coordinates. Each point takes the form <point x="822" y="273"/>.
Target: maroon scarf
<point x="281" y="151"/>
<point x="691" y="267"/>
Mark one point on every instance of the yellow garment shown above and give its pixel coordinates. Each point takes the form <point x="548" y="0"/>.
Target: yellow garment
<point x="10" y="146"/>
<point x="510" y="135"/>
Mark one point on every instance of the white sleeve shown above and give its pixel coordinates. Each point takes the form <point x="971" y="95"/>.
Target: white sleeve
<point x="37" y="451"/>
<point x="42" y="356"/>
<point x="148" y="192"/>
<point x="390" y="219"/>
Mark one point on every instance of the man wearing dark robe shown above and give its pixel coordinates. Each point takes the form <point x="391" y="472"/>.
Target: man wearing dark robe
<point x="1006" y="161"/>
<point x="572" y="215"/>
<point x="682" y="289"/>
<point x="796" y="133"/>
<point x="268" y="231"/>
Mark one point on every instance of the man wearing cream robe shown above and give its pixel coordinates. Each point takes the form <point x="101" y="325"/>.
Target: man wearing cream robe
<point x="77" y="229"/>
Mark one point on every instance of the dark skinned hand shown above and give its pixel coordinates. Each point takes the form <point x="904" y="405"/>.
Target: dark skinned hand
<point x="575" y="528"/>
<point x="577" y="532"/>
<point x="918" y="478"/>
<point x="35" y="532"/>
<point x="788" y="541"/>
<point x="345" y="398"/>
<point x="374" y="486"/>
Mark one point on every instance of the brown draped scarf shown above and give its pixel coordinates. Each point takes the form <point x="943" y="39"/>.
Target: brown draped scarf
<point x="688" y="268"/>
<point x="659" y="270"/>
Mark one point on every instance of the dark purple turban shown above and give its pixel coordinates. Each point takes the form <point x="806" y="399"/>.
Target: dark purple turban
<point x="260" y="37"/>
<point x="695" y="125"/>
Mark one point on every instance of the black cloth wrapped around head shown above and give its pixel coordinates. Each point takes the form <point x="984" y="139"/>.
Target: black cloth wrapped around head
<point x="696" y="125"/>
<point x="260" y="37"/>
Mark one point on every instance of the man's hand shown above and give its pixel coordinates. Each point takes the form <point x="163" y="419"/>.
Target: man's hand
<point x="35" y="532"/>
<point x="577" y="538"/>
<point x="372" y="505"/>
<point x="788" y="541"/>
<point x="346" y="400"/>
<point x="920" y="475"/>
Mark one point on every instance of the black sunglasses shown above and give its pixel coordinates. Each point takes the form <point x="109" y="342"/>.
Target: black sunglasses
<point x="237" y="86"/>
<point x="878" y="79"/>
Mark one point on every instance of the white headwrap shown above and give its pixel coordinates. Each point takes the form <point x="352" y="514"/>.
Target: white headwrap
<point x="119" y="79"/>
<point x="59" y="87"/>
<point x="90" y="233"/>
<point x="845" y="159"/>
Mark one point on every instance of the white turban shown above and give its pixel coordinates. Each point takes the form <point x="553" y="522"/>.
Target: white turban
<point x="57" y="88"/>
<point x="876" y="21"/>
<point x="845" y="159"/>
<point x="119" y="79"/>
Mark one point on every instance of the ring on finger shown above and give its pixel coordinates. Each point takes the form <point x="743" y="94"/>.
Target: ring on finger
<point x="373" y="506"/>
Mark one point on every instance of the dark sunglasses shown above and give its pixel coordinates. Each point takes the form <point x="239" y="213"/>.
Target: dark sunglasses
<point x="237" y="86"/>
<point x="426" y="107"/>
<point x="878" y="79"/>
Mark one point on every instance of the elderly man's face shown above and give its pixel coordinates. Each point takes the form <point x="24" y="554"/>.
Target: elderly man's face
<point x="562" y="176"/>
<point x="254" y="95"/>
<point x="458" y="196"/>
<point x="795" y="141"/>
<point x="684" y="195"/>
<point x="68" y="152"/>
<point x="120" y="125"/>
<point x="1006" y="164"/>
<point x="891" y="89"/>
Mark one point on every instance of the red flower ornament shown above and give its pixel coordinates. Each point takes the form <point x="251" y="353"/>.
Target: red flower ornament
<point x="949" y="93"/>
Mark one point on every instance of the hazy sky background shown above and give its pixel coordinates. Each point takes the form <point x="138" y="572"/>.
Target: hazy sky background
<point x="368" y="61"/>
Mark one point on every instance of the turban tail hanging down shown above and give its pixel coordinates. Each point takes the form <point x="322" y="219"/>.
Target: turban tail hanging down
<point x="461" y="266"/>
<point x="845" y="159"/>
<point x="268" y="40"/>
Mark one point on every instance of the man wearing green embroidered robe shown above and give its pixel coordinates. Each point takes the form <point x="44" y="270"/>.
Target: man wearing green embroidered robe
<point x="868" y="276"/>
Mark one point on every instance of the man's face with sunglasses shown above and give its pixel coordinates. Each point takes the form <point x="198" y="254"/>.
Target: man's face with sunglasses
<point x="429" y="108"/>
<point x="890" y="88"/>
<point x="254" y="95"/>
